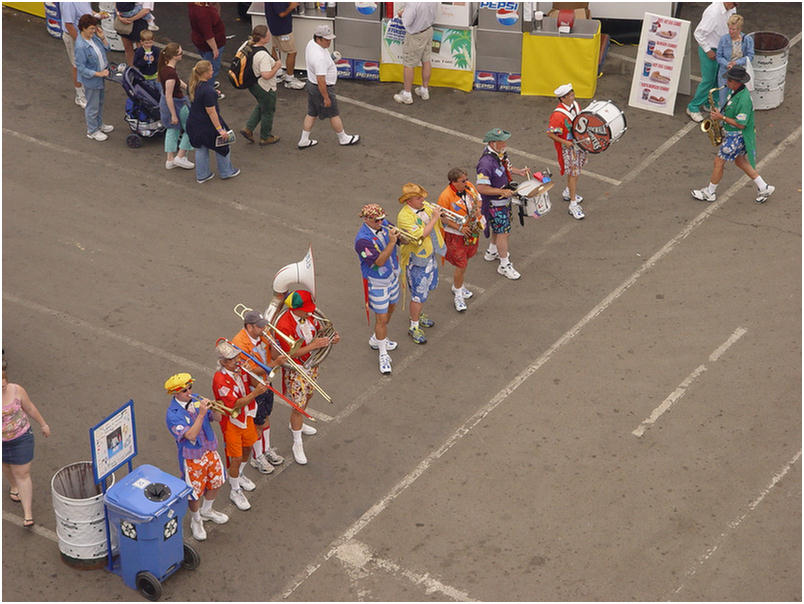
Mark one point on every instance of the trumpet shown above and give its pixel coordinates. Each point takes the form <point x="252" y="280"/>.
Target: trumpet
<point x="406" y="236"/>
<point x="217" y="406"/>
<point x="453" y="216"/>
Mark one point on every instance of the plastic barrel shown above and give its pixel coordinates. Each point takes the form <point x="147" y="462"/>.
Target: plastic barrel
<point x="80" y="525"/>
<point x="770" y="68"/>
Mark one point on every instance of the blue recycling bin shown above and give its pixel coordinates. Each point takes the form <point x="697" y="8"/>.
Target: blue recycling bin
<point x="145" y="512"/>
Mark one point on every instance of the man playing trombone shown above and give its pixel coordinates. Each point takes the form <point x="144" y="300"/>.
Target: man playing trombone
<point x="252" y="341"/>
<point x="420" y="219"/>
<point x="298" y="324"/>
<point x="375" y="244"/>
<point x="230" y="386"/>
<point x="189" y="422"/>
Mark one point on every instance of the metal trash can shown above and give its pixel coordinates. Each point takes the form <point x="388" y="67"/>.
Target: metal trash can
<point x="145" y="512"/>
<point x="770" y="68"/>
<point x="80" y="524"/>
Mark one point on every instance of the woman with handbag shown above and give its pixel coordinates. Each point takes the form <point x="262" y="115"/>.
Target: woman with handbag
<point x="129" y="21"/>
<point x="92" y="67"/>
<point x="174" y="108"/>
<point x="205" y="125"/>
<point x="734" y="48"/>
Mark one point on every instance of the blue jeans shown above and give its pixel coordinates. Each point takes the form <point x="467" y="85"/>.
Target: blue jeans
<point x="93" y="112"/>
<point x="216" y="63"/>
<point x="202" y="169"/>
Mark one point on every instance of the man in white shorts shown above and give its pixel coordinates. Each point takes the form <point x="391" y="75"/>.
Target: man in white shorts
<point x="418" y="19"/>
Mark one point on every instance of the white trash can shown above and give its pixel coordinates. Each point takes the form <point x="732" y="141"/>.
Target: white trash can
<point x="770" y="68"/>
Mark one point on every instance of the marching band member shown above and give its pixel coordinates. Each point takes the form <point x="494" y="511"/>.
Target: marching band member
<point x="571" y="158"/>
<point x="230" y="386"/>
<point x="739" y="138"/>
<point x="461" y="197"/>
<point x="252" y="340"/>
<point x="493" y="176"/>
<point x="418" y="261"/>
<point x="190" y="424"/>
<point x="375" y="244"/>
<point x="297" y="324"/>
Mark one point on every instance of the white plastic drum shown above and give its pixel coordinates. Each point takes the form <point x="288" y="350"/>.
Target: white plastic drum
<point x="599" y="125"/>
<point x="80" y="524"/>
<point x="770" y="68"/>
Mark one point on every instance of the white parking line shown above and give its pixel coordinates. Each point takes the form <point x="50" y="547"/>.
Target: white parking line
<point x="37" y="529"/>
<point x="683" y="386"/>
<point x="734" y="524"/>
<point x="659" y="151"/>
<point x="406" y="481"/>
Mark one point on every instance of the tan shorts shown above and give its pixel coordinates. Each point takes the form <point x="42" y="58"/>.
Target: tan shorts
<point x="69" y="44"/>
<point x="285" y="43"/>
<point x="417" y="47"/>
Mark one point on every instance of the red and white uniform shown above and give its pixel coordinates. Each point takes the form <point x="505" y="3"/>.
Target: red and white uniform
<point x="229" y="387"/>
<point x="561" y="125"/>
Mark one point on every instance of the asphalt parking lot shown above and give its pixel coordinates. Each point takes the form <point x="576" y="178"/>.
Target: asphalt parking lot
<point x="519" y="454"/>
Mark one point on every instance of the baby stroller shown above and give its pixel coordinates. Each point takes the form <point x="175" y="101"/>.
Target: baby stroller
<point x="142" y="105"/>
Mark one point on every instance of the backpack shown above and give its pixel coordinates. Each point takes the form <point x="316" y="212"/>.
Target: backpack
<point x="241" y="70"/>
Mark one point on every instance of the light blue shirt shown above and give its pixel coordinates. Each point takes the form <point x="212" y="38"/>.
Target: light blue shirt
<point x="71" y="12"/>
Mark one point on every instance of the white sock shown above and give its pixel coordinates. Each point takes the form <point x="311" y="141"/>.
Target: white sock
<point x="414" y="325"/>
<point x="711" y="188"/>
<point x="504" y="261"/>
<point x="492" y="248"/>
<point x="305" y="137"/>
<point x="256" y="448"/>
<point x="297" y="436"/>
<point x="242" y="467"/>
<point x="342" y="136"/>
<point x="266" y="434"/>
<point x="206" y="505"/>
<point x="234" y="482"/>
<point x="196" y="515"/>
<point x="383" y="345"/>
<point x="760" y="183"/>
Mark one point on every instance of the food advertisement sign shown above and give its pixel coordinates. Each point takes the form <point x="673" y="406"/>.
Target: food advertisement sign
<point x="658" y="63"/>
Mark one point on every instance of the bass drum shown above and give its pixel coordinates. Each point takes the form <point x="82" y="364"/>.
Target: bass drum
<point x="599" y="125"/>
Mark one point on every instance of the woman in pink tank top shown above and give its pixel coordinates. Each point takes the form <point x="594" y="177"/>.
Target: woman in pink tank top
<point x="18" y="444"/>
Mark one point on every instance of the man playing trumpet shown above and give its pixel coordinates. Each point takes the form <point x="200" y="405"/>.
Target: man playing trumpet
<point x="251" y="339"/>
<point x="421" y="220"/>
<point x="298" y="323"/>
<point x="375" y="244"/>
<point x="189" y="423"/>
<point x="461" y="197"/>
<point x="230" y="386"/>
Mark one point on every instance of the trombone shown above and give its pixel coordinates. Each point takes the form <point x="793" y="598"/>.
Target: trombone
<point x="287" y="400"/>
<point x="217" y="406"/>
<point x="241" y="309"/>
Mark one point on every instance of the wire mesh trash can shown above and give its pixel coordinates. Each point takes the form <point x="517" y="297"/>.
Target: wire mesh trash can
<point x="145" y="511"/>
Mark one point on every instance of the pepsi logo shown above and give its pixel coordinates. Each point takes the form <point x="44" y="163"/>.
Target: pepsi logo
<point x="366" y="8"/>
<point x="506" y="16"/>
<point x="370" y="66"/>
<point x="485" y="76"/>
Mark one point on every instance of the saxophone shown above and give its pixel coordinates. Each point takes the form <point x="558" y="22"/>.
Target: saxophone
<point x="710" y="126"/>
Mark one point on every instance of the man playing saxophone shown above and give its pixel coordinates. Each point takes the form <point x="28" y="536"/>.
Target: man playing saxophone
<point x="739" y="138"/>
<point x="375" y="244"/>
<point x="461" y="197"/>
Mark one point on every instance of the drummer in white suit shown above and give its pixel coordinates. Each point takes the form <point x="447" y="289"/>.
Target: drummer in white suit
<point x="571" y="158"/>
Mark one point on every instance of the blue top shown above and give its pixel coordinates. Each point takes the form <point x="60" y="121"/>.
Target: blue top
<point x="278" y="26"/>
<point x="87" y="61"/>
<point x="178" y="420"/>
<point x="369" y="245"/>
<point x="723" y="55"/>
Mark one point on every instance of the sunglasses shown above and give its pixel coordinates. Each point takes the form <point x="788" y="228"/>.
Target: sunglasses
<point x="186" y="389"/>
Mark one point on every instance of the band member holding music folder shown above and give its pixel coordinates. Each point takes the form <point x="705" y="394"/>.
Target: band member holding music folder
<point x="252" y="340"/>
<point x="461" y="197"/>
<point x="421" y="221"/>
<point x="232" y="387"/>
<point x="299" y="324"/>
<point x="375" y="244"/>
<point x="571" y="158"/>
<point x="189" y="422"/>
<point x="493" y="177"/>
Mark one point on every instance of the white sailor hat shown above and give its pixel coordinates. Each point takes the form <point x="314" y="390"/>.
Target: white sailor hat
<point x="563" y="90"/>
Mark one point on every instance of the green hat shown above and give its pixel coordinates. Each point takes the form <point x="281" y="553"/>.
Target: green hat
<point x="496" y="134"/>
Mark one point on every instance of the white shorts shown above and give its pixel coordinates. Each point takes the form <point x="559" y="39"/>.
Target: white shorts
<point x="69" y="44"/>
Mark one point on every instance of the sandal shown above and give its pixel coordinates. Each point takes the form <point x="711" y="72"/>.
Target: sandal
<point x="310" y="143"/>
<point x="353" y="140"/>
<point x="14" y="495"/>
<point x="28" y="523"/>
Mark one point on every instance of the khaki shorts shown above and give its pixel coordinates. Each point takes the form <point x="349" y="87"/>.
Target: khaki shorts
<point x="285" y="43"/>
<point x="417" y="47"/>
<point x="69" y="44"/>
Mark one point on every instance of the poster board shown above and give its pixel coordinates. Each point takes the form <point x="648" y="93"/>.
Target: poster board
<point x="658" y="68"/>
<point x="113" y="441"/>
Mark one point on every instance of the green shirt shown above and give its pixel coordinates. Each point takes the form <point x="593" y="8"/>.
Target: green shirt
<point x="740" y="108"/>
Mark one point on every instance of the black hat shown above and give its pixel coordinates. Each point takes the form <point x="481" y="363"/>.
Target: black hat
<point x="738" y="74"/>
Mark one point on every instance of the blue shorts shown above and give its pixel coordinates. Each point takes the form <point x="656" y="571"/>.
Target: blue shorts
<point x="380" y="297"/>
<point x="19" y="451"/>
<point x="500" y="219"/>
<point x="732" y="147"/>
<point x="422" y="280"/>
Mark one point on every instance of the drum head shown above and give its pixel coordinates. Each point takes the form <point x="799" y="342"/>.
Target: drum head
<point x="591" y="132"/>
<point x="534" y="188"/>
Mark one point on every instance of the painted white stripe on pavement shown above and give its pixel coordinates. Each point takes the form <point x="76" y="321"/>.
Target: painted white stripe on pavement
<point x="39" y="530"/>
<point x="659" y="151"/>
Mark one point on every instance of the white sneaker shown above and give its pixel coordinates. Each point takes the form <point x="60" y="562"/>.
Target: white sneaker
<point x="762" y="196"/>
<point x="80" y="98"/>
<point x="261" y="464"/>
<point x="246" y="484"/>
<point x="389" y="346"/>
<point x="239" y="499"/>
<point x="170" y="164"/>
<point x="466" y="293"/>
<point x="281" y="74"/>
<point x="298" y="453"/>
<point x="696" y="116"/>
<point x="273" y="458"/>
<point x="214" y="516"/>
<point x="385" y="363"/>
<point x="404" y="98"/>
<point x="183" y="162"/>
<point x="197" y="529"/>
<point x="565" y="196"/>
<point x="703" y="195"/>
<point x="153" y="26"/>
<point x="106" y="128"/>
<point x="97" y="135"/>
<point x="508" y="271"/>
<point x="459" y="303"/>
<point x="490" y="256"/>
<point x="423" y="92"/>
<point x="575" y="211"/>
<point x="293" y="82"/>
